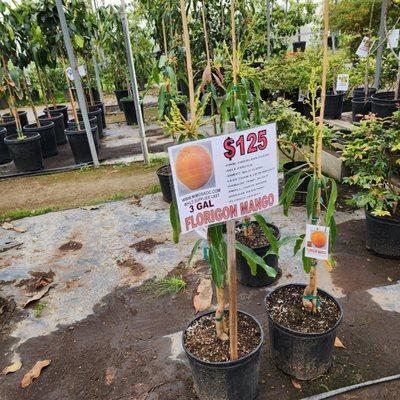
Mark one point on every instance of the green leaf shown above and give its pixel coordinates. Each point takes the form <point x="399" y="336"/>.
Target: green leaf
<point x="307" y="262"/>
<point x="298" y="244"/>
<point x="287" y="239"/>
<point x="289" y="191"/>
<point x="310" y="200"/>
<point x="217" y="270"/>
<point x="268" y="232"/>
<point x="79" y="41"/>
<point x="331" y="203"/>
<point x="332" y="234"/>
<point x="175" y="223"/>
<point x="194" y="250"/>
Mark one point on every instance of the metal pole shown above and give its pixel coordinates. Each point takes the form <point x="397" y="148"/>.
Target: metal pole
<point x="77" y="81"/>
<point x="133" y="82"/>
<point x="381" y="41"/>
<point x="269" y="28"/>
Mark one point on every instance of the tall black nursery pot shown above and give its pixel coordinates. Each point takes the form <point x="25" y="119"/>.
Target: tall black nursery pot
<point x="164" y="177"/>
<point x="384" y="104"/>
<point x="128" y="106"/>
<point x="5" y="155"/>
<point x="11" y="127"/>
<point x="23" y="117"/>
<point x="383" y="235"/>
<point x="304" y="356"/>
<point x="359" y="93"/>
<point x="26" y="153"/>
<point x="261" y="278"/>
<point x="119" y="94"/>
<point x="360" y="108"/>
<point x="80" y="145"/>
<point x="299" y="46"/>
<point x="59" y="127"/>
<point x="99" y="104"/>
<point x="334" y="105"/>
<point x="230" y="380"/>
<point x="61" y="108"/>
<point x="292" y="168"/>
<point x="94" y="111"/>
<point x="47" y="137"/>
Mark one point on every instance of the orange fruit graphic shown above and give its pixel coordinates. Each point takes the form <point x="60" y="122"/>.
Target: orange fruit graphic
<point x="194" y="166"/>
<point x="318" y="239"/>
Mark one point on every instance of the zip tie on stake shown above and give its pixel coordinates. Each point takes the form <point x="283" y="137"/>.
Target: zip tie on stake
<point x="311" y="297"/>
<point x="221" y="317"/>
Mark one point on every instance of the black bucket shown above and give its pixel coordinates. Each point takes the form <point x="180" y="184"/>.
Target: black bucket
<point x="59" y="127"/>
<point x="359" y="109"/>
<point x="5" y="156"/>
<point x="359" y="93"/>
<point x="229" y="380"/>
<point x="92" y="122"/>
<point x="94" y="112"/>
<point x="23" y="117"/>
<point x="383" y="236"/>
<point x="301" y="192"/>
<point x="384" y="105"/>
<point x="334" y="105"/>
<point x="26" y="153"/>
<point x="165" y="182"/>
<point x="47" y="137"/>
<point x="347" y="107"/>
<point x="299" y="46"/>
<point x="11" y="127"/>
<point x="80" y="145"/>
<point x="63" y="109"/>
<point x="261" y="278"/>
<point x="99" y="104"/>
<point x="119" y="94"/>
<point x="128" y="106"/>
<point x="304" y="356"/>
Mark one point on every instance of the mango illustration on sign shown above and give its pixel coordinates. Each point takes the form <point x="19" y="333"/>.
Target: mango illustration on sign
<point x="194" y="166"/>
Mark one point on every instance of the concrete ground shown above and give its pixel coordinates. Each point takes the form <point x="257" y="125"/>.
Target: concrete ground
<point x="110" y="339"/>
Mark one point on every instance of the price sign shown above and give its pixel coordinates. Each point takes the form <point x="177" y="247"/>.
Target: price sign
<point x="363" y="48"/>
<point x="225" y="177"/>
<point x="317" y="242"/>
<point x="393" y="39"/>
<point x="342" y="84"/>
<point x="69" y="73"/>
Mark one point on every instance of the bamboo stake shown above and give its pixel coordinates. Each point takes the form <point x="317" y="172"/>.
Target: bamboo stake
<point x="366" y="76"/>
<point x="234" y="56"/>
<point x="318" y="162"/>
<point x="188" y="61"/>
<point x="164" y="36"/>
<point x="71" y="94"/>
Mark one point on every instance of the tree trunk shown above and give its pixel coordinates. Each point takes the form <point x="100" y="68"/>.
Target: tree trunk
<point x="28" y="93"/>
<point x="42" y="88"/>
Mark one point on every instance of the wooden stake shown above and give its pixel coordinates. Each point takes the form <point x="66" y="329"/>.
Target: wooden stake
<point x="46" y="103"/>
<point x="230" y="127"/>
<point x="71" y="95"/>
<point x="188" y="61"/>
<point x="28" y="92"/>
<point x="164" y="37"/>
<point x="88" y="82"/>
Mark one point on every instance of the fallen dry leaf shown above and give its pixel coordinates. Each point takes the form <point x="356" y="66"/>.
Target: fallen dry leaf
<point x="89" y="208"/>
<point x="202" y="300"/>
<point x="12" y="368"/>
<point x="296" y="383"/>
<point x="109" y="376"/>
<point x="37" y="296"/>
<point x="19" y="229"/>
<point x="338" y="343"/>
<point x="7" y="226"/>
<point x="34" y="373"/>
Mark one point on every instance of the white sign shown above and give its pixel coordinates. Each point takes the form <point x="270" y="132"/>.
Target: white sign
<point x="342" y="83"/>
<point x="82" y="70"/>
<point x="393" y="39"/>
<point x="317" y="242"/>
<point x="225" y="177"/>
<point x="363" y="48"/>
<point x="69" y="73"/>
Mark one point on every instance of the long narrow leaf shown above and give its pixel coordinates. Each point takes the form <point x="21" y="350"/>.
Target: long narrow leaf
<point x="331" y="203"/>
<point x="310" y="200"/>
<point x="194" y="250"/>
<point x="174" y="219"/>
<point x="273" y="241"/>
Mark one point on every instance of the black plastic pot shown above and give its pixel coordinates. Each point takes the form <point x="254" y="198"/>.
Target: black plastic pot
<point x="304" y="356"/>
<point x="299" y="46"/>
<point x="94" y="112"/>
<point x="99" y="104"/>
<point x="384" y="104"/>
<point x="92" y="122"/>
<point x="128" y="106"/>
<point x="5" y="155"/>
<point x="119" y="94"/>
<point x="47" y="137"/>
<point x="359" y="108"/>
<point x="301" y="193"/>
<point x="59" y="127"/>
<point x="26" y="153"/>
<point x="383" y="235"/>
<point x="11" y="127"/>
<point x="261" y="278"/>
<point x="347" y="107"/>
<point x="165" y="182"/>
<point x="334" y="105"/>
<point x="80" y="145"/>
<point x="58" y="109"/>
<point x="230" y="380"/>
<point x="183" y="109"/>
<point x="330" y="42"/>
<point x="359" y="93"/>
<point x="23" y="117"/>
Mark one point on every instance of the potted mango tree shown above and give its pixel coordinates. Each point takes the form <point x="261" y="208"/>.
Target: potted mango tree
<point x="373" y="156"/>
<point x="303" y="319"/>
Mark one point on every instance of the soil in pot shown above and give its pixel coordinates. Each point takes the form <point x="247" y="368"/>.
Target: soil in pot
<point x="215" y="376"/>
<point x="119" y="94"/>
<point x="164" y="176"/>
<point x="23" y="117"/>
<point x="383" y="235"/>
<point x="26" y="153"/>
<point x="334" y="105"/>
<point x="5" y="156"/>
<point x="47" y="137"/>
<point x="292" y="168"/>
<point x="94" y="112"/>
<point x="259" y="243"/>
<point x="80" y="145"/>
<point x="59" y="127"/>
<point x="63" y="109"/>
<point x="301" y="343"/>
